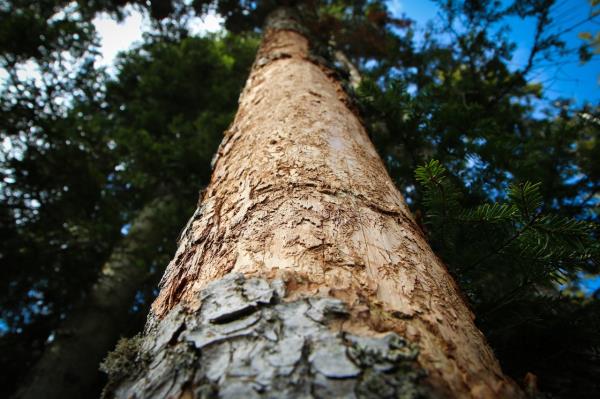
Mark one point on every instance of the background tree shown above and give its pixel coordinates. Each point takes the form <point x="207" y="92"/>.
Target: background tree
<point x="66" y="218"/>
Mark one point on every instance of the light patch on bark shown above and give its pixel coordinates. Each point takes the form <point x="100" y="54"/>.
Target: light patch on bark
<point x="244" y="342"/>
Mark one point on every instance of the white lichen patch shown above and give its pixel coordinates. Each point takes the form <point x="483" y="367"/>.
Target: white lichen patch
<point x="245" y="342"/>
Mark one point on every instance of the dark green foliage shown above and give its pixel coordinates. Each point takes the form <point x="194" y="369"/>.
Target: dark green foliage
<point x="47" y="30"/>
<point x="510" y="258"/>
<point x="535" y="248"/>
<point x="440" y="197"/>
<point x="88" y="153"/>
<point x="169" y="108"/>
<point x="518" y="250"/>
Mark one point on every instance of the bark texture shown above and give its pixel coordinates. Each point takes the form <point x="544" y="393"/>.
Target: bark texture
<point x="68" y="367"/>
<point x="247" y="343"/>
<point x="299" y="195"/>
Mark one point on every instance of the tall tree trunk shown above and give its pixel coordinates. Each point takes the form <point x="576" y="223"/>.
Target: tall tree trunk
<point x="69" y="367"/>
<point x="303" y="273"/>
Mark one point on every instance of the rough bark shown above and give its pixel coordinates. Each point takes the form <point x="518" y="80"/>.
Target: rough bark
<point x="245" y="342"/>
<point x="299" y="196"/>
<point x="69" y="366"/>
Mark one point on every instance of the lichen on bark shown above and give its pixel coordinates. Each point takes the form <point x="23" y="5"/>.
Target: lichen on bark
<point x="125" y="359"/>
<point x="246" y="342"/>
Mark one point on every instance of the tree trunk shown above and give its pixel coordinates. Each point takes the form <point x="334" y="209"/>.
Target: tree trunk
<point x="303" y="273"/>
<point x="69" y="367"/>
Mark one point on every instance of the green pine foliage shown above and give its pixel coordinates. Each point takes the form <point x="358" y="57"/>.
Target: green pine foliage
<point x="514" y="259"/>
<point x="504" y="183"/>
<point x="519" y="228"/>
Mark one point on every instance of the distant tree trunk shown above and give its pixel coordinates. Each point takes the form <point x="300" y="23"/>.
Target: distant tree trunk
<point x="303" y="273"/>
<point x="69" y="367"/>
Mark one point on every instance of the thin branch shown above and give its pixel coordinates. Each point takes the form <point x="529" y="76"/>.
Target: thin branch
<point x="507" y="242"/>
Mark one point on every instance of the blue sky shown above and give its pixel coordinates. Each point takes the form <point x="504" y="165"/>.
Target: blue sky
<point x="563" y="77"/>
<point x="119" y="36"/>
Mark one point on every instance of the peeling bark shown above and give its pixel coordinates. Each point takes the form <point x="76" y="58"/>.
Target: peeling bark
<point x="68" y="367"/>
<point x="247" y="343"/>
<point x="299" y="195"/>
